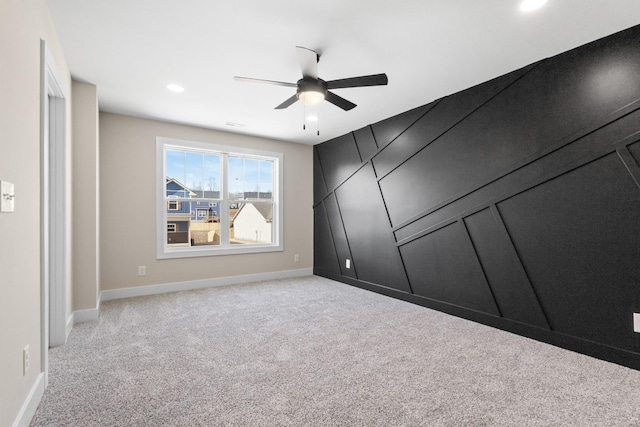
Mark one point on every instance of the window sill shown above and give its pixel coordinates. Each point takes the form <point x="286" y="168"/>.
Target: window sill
<point x="191" y="251"/>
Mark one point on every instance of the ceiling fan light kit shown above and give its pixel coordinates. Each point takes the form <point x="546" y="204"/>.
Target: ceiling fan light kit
<point x="312" y="90"/>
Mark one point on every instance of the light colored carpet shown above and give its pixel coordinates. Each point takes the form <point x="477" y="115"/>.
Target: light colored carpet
<point x="314" y="352"/>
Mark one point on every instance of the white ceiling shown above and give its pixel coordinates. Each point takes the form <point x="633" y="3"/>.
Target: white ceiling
<point x="131" y="49"/>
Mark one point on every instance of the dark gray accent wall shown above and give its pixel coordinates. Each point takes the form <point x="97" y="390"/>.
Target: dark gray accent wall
<point x="515" y="203"/>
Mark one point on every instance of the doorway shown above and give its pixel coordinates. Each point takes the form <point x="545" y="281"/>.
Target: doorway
<point x="54" y="239"/>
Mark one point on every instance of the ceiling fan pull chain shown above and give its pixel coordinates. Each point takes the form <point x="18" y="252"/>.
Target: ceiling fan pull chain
<point x="304" y="115"/>
<point x="318" y="122"/>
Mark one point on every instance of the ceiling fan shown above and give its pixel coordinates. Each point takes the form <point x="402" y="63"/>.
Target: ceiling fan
<point x="311" y="89"/>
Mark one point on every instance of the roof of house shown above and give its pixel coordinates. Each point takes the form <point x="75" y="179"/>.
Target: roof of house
<point x="265" y="209"/>
<point x="262" y="195"/>
<point x="199" y="193"/>
<point x="209" y="194"/>
<point x="169" y="180"/>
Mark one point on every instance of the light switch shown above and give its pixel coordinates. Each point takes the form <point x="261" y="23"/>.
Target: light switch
<point x="7" y="194"/>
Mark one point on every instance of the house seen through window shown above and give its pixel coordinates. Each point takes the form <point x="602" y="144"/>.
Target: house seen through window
<point x="217" y="200"/>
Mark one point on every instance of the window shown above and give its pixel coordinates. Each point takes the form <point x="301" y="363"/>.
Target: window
<point x="217" y="200"/>
<point x="173" y="205"/>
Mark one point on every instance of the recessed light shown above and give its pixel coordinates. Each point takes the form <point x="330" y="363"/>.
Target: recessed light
<point x="529" y="5"/>
<point x="175" y="88"/>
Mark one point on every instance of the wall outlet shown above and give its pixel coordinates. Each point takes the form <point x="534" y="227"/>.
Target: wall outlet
<point x="348" y="263"/>
<point x="296" y="258"/>
<point x="636" y="322"/>
<point x="25" y="360"/>
<point x="142" y="270"/>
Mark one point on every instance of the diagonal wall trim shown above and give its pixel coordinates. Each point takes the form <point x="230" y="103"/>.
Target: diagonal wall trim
<point x="617" y="115"/>
<point x="323" y="206"/>
<point x="366" y="160"/>
<point x="495" y="212"/>
<point x="467" y="236"/>
<point x="629" y="163"/>
<point x="354" y="266"/>
<point x="457" y="120"/>
<point x="408" y="124"/>
<point x="333" y="190"/>
<point x="588" y="156"/>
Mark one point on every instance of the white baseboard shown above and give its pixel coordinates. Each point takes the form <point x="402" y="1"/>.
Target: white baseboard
<point x="87" y="315"/>
<point x="30" y="405"/>
<point x="70" y="323"/>
<point x="137" y="291"/>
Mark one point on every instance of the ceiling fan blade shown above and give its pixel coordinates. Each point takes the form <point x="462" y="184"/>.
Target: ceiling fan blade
<point x="308" y="60"/>
<point x="271" y="82"/>
<point x="288" y="102"/>
<point x="339" y="101"/>
<point x="372" y="80"/>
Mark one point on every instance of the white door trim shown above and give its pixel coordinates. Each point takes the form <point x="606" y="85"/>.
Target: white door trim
<point x="54" y="213"/>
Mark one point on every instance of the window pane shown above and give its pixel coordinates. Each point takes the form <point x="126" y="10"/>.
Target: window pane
<point x="266" y="180"/>
<point x="192" y="233"/>
<point x="236" y="178"/>
<point x="251" y="179"/>
<point x="175" y="173"/>
<point x="193" y="173"/>
<point x="178" y="234"/>
<point x="251" y="223"/>
<point x="175" y="164"/>
<point x="205" y="232"/>
<point x="211" y="176"/>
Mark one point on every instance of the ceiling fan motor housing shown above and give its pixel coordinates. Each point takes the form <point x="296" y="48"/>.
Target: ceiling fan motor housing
<point x="306" y="85"/>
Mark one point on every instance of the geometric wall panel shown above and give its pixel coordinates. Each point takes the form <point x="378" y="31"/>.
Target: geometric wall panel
<point x="634" y="149"/>
<point x="438" y="119"/>
<point x="367" y="227"/>
<point x="389" y="129"/>
<point x="511" y="288"/>
<point x="343" y="148"/>
<point x="443" y="266"/>
<point x="319" y="187"/>
<point x="324" y="255"/>
<point x="339" y="236"/>
<point x="366" y="142"/>
<point x="513" y="201"/>
<point x="578" y="237"/>
<point x="522" y="121"/>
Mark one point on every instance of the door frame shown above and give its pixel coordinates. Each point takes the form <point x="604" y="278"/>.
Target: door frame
<point x="54" y="212"/>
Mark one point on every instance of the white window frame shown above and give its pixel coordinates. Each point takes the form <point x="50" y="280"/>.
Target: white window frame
<point x="172" y="224"/>
<point x="169" y="208"/>
<point x="164" y="251"/>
